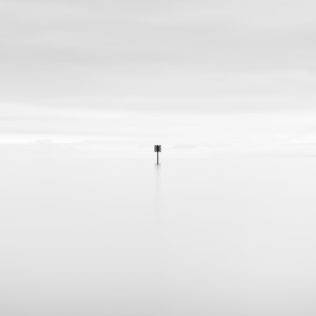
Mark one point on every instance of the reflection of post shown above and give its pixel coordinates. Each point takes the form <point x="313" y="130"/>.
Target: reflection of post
<point x="157" y="149"/>
<point x="157" y="199"/>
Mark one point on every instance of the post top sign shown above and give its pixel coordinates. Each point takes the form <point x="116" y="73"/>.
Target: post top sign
<point x="157" y="148"/>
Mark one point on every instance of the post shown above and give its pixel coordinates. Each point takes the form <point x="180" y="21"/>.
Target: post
<point x="157" y="149"/>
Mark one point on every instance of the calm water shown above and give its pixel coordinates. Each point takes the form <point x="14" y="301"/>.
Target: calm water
<point x="81" y="234"/>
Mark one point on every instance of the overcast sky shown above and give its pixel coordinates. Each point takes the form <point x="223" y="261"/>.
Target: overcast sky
<point x="167" y="54"/>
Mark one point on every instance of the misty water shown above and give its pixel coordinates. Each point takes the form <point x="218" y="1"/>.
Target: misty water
<point x="85" y="234"/>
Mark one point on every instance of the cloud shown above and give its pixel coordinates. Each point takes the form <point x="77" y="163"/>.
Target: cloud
<point x="124" y="53"/>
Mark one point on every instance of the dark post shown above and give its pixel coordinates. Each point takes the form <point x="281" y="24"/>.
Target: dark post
<point x="157" y="149"/>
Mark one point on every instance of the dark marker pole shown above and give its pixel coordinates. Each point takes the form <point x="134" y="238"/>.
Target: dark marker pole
<point x="157" y="149"/>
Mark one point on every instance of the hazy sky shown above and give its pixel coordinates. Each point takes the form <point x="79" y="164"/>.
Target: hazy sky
<point x="167" y="54"/>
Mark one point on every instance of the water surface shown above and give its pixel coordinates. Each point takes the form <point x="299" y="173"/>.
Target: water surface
<point x="83" y="234"/>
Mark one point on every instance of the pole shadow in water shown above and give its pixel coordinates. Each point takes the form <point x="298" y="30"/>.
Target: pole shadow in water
<point x="157" y="192"/>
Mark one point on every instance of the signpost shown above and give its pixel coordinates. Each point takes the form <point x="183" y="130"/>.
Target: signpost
<point x="157" y="149"/>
